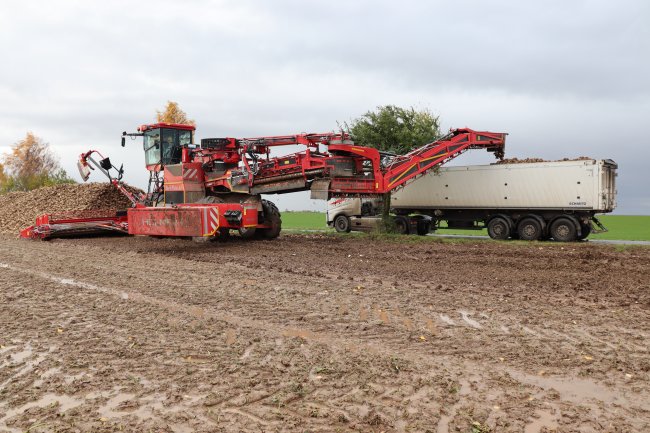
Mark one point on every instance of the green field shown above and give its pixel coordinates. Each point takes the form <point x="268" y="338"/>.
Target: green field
<point x="304" y="220"/>
<point x="621" y="227"/>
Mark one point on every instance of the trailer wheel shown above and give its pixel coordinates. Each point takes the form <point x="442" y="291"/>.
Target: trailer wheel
<point x="271" y="217"/>
<point x="498" y="228"/>
<point x="529" y="229"/>
<point x="342" y="224"/>
<point x="585" y="230"/>
<point x="563" y="230"/>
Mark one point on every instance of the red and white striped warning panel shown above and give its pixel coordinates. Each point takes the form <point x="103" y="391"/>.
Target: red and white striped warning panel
<point x="210" y="220"/>
<point x="190" y="174"/>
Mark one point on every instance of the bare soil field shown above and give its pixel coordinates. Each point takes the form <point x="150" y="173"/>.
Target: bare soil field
<point x="322" y="333"/>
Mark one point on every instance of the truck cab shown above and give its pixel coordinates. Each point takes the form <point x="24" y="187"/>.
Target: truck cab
<point x="348" y="214"/>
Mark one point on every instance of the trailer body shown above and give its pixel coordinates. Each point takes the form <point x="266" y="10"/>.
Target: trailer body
<point x="563" y="185"/>
<point x="523" y="200"/>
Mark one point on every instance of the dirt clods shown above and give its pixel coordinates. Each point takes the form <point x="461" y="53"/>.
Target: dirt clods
<point x="168" y="335"/>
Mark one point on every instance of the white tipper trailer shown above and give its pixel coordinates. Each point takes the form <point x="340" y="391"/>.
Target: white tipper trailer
<point x="531" y="201"/>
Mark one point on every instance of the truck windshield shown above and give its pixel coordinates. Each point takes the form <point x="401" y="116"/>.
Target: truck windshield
<point x="152" y="147"/>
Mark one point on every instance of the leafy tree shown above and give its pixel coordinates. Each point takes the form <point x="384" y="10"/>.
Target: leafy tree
<point x="30" y="156"/>
<point x="173" y="114"/>
<point x="394" y="129"/>
<point x="31" y="164"/>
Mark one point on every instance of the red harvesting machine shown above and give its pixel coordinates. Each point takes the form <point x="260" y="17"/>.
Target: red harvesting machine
<point x="206" y="190"/>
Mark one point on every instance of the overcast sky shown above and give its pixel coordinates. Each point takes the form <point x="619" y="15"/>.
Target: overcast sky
<point x="564" y="78"/>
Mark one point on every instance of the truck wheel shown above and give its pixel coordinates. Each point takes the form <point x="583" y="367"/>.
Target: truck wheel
<point x="342" y="224"/>
<point x="498" y="228"/>
<point x="529" y="229"/>
<point x="271" y="217"/>
<point x="401" y="225"/>
<point x="563" y="230"/>
<point x="424" y="227"/>
<point x="585" y="230"/>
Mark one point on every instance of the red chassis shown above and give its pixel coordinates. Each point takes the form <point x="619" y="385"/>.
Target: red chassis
<point x="189" y="220"/>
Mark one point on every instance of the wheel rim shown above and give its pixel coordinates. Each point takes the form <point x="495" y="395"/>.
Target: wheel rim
<point x="499" y="229"/>
<point x="563" y="231"/>
<point x="530" y="230"/>
<point x="341" y="224"/>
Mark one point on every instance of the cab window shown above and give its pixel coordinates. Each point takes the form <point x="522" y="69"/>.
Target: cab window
<point x="185" y="137"/>
<point x="152" y="147"/>
<point x="171" y="147"/>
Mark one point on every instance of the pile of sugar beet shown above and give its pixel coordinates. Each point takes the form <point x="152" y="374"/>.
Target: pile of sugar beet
<point x="529" y="160"/>
<point x="20" y="209"/>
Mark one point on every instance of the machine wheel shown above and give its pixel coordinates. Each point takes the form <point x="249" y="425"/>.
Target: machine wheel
<point x="529" y="229"/>
<point x="498" y="228"/>
<point x="401" y="225"/>
<point x="271" y="217"/>
<point x="224" y="234"/>
<point x="563" y="230"/>
<point x="202" y="239"/>
<point x="247" y="232"/>
<point x="342" y="224"/>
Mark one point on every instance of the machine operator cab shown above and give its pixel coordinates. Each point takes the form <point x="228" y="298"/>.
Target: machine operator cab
<point x="163" y="143"/>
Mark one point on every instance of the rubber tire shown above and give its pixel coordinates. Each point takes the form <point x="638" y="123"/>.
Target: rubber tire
<point x="498" y="229"/>
<point x="424" y="227"/>
<point x="401" y="226"/>
<point x="272" y="217"/>
<point x="585" y="230"/>
<point x="247" y="232"/>
<point x="564" y="230"/>
<point x="529" y="229"/>
<point x="224" y="234"/>
<point x="342" y="224"/>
